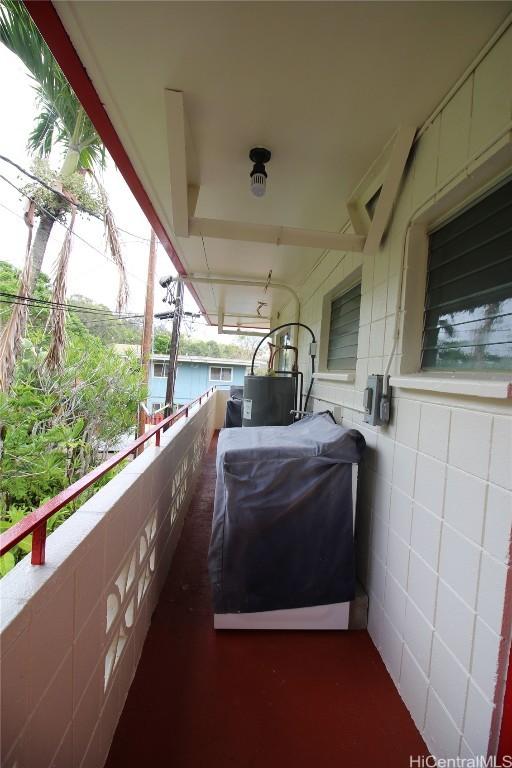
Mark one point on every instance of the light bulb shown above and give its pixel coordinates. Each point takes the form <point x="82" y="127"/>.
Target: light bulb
<point x="258" y="184"/>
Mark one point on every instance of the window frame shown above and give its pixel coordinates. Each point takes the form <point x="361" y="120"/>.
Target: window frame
<point x="462" y="275"/>
<point x="221" y="368"/>
<point x="164" y="364"/>
<point x="329" y="297"/>
<point x="408" y="371"/>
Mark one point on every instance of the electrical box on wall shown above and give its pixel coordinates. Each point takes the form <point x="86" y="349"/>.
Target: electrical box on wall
<point x="376" y="404"/>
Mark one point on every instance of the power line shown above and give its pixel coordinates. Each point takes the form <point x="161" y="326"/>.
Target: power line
<point x="63" y="196"/>
<point x="35" y="299"/>
<point x="105" y="319"/>
<point x="48" y="213"/>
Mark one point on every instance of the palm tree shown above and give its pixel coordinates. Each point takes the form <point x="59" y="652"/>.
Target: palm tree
<point x="62" y="121"/>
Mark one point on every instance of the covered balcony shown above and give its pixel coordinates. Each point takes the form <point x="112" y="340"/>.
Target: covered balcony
<point x="387" y="210"/>
<point x="119" y="651"/>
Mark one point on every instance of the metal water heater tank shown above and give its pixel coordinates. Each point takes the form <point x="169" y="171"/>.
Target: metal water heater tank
<point x="268" y="401"/>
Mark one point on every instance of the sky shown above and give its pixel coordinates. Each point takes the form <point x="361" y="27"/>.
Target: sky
<point x="90" y="273"/>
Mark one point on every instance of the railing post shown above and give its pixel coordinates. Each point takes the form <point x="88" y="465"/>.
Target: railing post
<point x="38" y="544"/>
<point x="186" y="412"/>
<point x="157" y="436"/>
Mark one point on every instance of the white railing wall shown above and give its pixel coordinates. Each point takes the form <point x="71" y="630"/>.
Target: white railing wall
<point x="72" y="630"/>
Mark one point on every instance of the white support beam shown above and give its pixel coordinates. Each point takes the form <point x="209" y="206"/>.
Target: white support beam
<point x="238" y="315"/>
<point x="177" y="162"/>
<point x="389" y="192"/>
<point x="275" y="235"/>
<point x="193" y="194"/>
<point x="220" y="321"/>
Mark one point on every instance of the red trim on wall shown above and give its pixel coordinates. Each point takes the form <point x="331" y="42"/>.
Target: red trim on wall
<point x="52" y="29"/>
<point x="505" y="745"/>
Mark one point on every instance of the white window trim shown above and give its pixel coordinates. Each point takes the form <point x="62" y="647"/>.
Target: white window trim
<point x="347" y="376"/>
<point x="453" y="384"/>
<point x="477" y="384"/>
<point x="222" y="367"/>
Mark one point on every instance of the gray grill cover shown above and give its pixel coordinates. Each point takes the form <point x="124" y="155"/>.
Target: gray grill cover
<point x="282" y="523"/>
<point x="233" y="416"/>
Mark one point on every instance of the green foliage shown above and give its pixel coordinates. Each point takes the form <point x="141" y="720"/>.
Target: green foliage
<point x="7" y="562"/>
<point x="161" y="342"/>
<point x="9" y="283"/>
<point x="108" y="327"/>
<point x="189" y="345"/>
<point x="56" y="427"/>
<point x="210" y="348"/>
<point x="10" y="278"/>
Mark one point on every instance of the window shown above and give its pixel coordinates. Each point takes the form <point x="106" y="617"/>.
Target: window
<point x="220" y="373"/>
<point x="160" y="370"/>
<point x="156" y="407"/>
<point x="344" y="330"/>
<point x="468" y="307"/>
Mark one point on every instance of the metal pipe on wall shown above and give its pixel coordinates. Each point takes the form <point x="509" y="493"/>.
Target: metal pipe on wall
<point x="240" y="282"/>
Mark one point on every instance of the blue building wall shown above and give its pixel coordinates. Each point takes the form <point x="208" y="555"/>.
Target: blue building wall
<point x="192" y="379"/>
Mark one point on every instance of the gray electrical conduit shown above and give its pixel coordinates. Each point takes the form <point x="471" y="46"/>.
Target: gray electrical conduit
<point x="398" y="305"/>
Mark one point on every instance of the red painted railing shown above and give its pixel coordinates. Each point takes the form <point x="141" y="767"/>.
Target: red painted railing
<point x="505" y="743"/>
<point x="35" y="522"/>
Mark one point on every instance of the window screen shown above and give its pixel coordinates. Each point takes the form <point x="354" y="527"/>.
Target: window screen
<point x="468" y="309"/>
<point x="160" y="370"/>
<point x="219" y="373"/>
<point x="344" y="330"/>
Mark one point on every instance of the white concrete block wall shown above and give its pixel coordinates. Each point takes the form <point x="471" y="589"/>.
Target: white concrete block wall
<point x="435" y="506"/>
<point x="72" y="630"/>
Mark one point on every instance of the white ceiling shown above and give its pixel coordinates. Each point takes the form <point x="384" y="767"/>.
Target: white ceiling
<point x="323" y="85"/>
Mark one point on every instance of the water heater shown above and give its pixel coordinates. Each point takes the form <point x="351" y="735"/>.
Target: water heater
<point x="268" y="400"/>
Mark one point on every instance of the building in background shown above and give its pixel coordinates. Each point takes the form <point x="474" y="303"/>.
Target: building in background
<point x="193" y="376"/>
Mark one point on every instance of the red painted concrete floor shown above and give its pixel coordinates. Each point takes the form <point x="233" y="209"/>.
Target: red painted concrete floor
<point x="206" y="699"/>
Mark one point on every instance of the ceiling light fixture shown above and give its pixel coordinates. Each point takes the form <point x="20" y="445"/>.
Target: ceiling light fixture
<point x="259" y="156"/>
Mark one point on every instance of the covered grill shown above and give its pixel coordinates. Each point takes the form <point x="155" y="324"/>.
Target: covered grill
<point x="282" y="533"/>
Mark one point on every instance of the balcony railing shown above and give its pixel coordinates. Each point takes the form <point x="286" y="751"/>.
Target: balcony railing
<point x="35" y="522"/>
<point x="72" y="630"/>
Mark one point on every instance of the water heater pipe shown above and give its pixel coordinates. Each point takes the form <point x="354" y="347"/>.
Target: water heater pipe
<point x="312" y="352"/>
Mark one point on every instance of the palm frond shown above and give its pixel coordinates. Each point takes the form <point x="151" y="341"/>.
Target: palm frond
<point x="62" y="117"/>
<point x="114" y="246"/>
<point x="57" y="319"/>
<point x="93" y="156"/>
<point x="42" y="136"/>
<point x="14" y="331"/>
<point x="19" y="33"/>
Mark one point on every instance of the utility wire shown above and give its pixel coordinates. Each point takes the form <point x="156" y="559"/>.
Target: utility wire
<point x="48" y="302"/>
<point x="48" y="213"/>
<point x="63" y="196"/>
<point x="23" y="303"/>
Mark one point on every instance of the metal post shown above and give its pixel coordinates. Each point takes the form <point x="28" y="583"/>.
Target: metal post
<point x="38" y="544"/>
